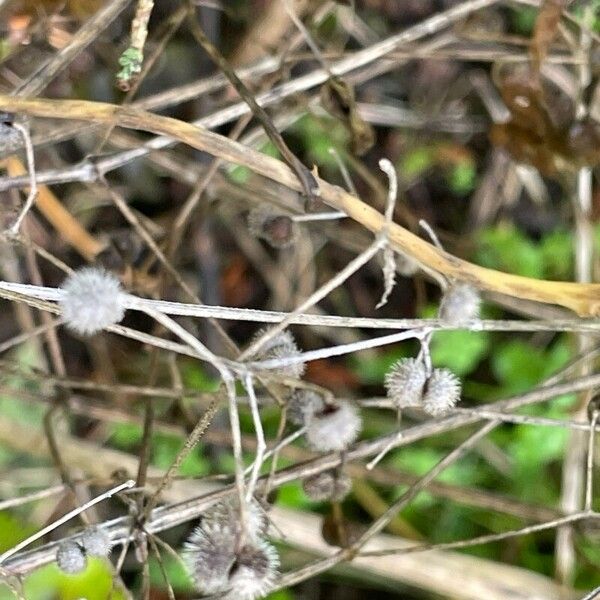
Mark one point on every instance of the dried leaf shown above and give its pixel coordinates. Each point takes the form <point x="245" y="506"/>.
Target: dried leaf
<point x="542" y="131"/>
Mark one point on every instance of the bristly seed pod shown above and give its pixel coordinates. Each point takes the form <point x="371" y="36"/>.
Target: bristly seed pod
<point x="95" y="541"/>
<point x="460" y="304"/>
<point x="442" y="392"/>
<point x="254" y="571"/>
<point x="11" y="139"/>
<point x="70" y="558"/>
<point x="281" y="346"/>
<point x="217" y="567"/>
<point x="302" y="404"/>
<point x="273" y="226"/>
<point x="334" y="427"/>
<point x="93" y="299"/>
<point x="209" y="554"/>
<point x="226" y="514"/>
<point x="328" y="485"/>
<point x="405" y="382"/>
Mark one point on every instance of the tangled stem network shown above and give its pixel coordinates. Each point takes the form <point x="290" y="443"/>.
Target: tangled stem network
<point x="290" y="419"/>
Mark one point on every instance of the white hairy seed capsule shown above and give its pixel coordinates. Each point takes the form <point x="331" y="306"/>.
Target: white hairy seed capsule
<point x="71" y="558"/>
<point x="226" y="514"/>
<point x="405" y="381"/>
<point x="460" y="304"/>
<point x="282" y="345"/>
<point x="93" y="299"/>
<point x="334" y="427"/>
<point x="273" y="226"/>
<point x="10" y="138"/>
<point x="209" y="554"/>
<point x="301" y="406"/>
<point x="254" y="571"/>
<point x="327" y="485"/>
<point x="95" y="542"/>
<point x="405" y="265"/>
<point x="442" y="392"/>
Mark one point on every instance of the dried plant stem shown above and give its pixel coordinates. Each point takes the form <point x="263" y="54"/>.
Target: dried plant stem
<point x="38" y="80"/>
<point x="322" y="292"/>
<point x="309" y="185"/>
<point x="167" y="517"/>
<point x="582" y="298"/>
<point x="228" y="381"/>
<point x="64" y="519"/>
<point x="261" y="445"/>
<point x="407" y="496"/>
<point x="193" y="438"/>
<point x="87" y="170"/>
<point x="32" y="497"/>
<point x="486" y="539"/>
<point x="321" y="320"/>
<point x="131" y="60"/>
<point x="589" y="481"/>
<point x="33" y="189"/>
<point x="53" y="210"/>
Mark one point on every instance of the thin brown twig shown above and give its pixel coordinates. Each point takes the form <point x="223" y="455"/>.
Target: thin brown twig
<point x="305" y="177"/>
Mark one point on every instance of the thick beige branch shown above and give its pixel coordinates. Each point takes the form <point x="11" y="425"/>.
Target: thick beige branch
<point x="584" y="299"/>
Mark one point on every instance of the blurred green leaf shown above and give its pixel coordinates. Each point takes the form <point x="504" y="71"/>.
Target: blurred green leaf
<point x="318" y="136"/>
<point x="507" y="249"/>
<point x="460" y="351"/>
<point x="523" y="20"/>
<point x="519" y="366"/>
<point x="371" y="369"/>
<point x="12" y="530"/>
<point x="292" y="495"/>
<point x="195" y="377"/>
<point x="165" y="449"/>
<point x="281" y="595"/>
<point x="239" y="174"/>
<point x="462" y="178"/>
<point x="557" y="255"/>
<point x="126" y="435"/>
<point x="95" y="583"/>
<point x="415" y="162"/>
<point x="176" y="574"/>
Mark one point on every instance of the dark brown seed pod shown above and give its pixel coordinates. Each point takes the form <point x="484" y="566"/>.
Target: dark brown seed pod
<point x="276" y="228"/>
<point x="327" y="486"/>
<point x="254" y="571"/>
<point x="302" y="404"/>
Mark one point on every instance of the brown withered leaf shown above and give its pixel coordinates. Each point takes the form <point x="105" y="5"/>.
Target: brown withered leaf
<point x="541" y="132"/>
<point x="339" y="101"/>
